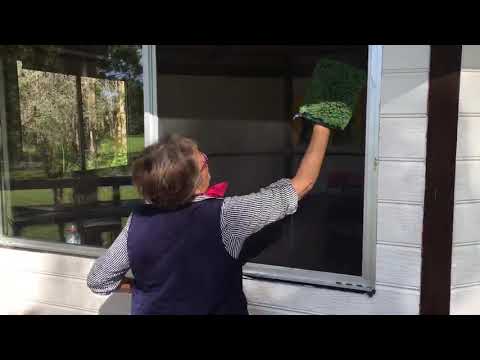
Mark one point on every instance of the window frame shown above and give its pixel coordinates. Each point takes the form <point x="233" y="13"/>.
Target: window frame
<point x="153" y="130"/>
<point x="366" y="282"/>
<point x="151" y="134"/>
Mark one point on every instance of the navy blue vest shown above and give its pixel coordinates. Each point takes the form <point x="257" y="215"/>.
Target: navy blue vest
<point x="180" y="263"/>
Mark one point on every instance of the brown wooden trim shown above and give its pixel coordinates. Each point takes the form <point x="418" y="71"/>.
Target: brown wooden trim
<point x="443" y="99"/>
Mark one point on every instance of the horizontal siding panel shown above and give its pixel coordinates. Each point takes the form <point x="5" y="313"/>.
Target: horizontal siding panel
<point x="465" y="264"/>
<point x="468" y="144"/>
<point x="465" y="301"/>
<point x="34" y="308"/>
<point x="399" y="266"/>
<point x="467" y="184"/>
<point x="47" y="263"/>
<point x="50" y="289"/>
<point x="406" y="57"/>
<point x="466" y="223"/>
<point x="469" y="92"/>
<point x="35" y="293"/>
<point x="404" y="93"/>
<point x="68" y="293"/>
<point x="402" y="137"/>
<point x="470" y="57"/>
<point x="325" y="301"/>
<point x="401" y="181"/>
<point x="400" y="223"/>
<point x="268" y="310"/>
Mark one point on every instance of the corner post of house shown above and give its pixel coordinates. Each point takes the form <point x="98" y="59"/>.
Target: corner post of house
<point x="437" y="237"/>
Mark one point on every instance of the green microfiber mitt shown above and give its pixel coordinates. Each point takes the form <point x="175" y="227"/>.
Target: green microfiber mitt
<point x="333" y="94"/>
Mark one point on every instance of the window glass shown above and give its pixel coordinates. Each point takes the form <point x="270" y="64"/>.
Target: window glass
<point x="73" y="116"/>
<point x="238" y="103"/>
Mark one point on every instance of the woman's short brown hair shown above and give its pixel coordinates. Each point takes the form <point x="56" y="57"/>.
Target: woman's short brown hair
<point x="167" y="172"/>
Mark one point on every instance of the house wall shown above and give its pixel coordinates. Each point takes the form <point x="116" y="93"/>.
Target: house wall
<point x="44" y="283"/>
<point x="465" y="293"/>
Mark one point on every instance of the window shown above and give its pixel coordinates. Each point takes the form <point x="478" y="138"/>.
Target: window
<point x="74" y="117"/>
<point x="238" y="103"/>
<point x="72" y="121"/>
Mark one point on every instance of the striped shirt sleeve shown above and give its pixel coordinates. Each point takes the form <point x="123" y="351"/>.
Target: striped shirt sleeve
<point x="243" y="216"/>
<point x="110" y="268"/>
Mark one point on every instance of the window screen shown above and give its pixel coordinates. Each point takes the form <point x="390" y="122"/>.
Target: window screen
<point x="238" y="103"/>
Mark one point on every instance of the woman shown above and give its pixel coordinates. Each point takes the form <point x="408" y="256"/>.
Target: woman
<point x="183" y="244"/>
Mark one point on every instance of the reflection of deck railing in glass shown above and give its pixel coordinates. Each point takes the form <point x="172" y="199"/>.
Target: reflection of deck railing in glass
<point x="91" y="216"/>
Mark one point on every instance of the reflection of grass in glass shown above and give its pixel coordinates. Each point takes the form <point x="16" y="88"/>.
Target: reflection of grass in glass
<point x="107" y="239"/>
<point x="109" y="154"/>
<point x="44" y="197"/>
<point x="129" y="193"/>
<point x="26" y="174"/>
<point x="126" y="193"/>
<point x="37" y="197"/>
<point x="105" y="193"/>
<point x="41" y="232"/>
<point x="32" y="197"/>
<point x="135" y="143"/>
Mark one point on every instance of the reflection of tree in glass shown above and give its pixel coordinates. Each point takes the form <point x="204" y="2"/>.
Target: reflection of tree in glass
<point x="124" y="62"/>
<point x="8" y="58"/>
<point x="48" y="106"/>
<point x="105" y="121"/>
<point x="49" y="117"/>
<point x="50" y="121"/>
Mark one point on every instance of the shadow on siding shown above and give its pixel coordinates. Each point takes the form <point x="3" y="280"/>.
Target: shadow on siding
<point x="116" y="304"/>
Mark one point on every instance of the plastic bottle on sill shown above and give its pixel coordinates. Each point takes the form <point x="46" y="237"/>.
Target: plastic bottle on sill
<point x="72" y="236"/>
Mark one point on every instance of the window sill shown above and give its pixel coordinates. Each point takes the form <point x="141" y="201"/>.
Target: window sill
<point x="51" y="247"/>
<point x="308" y="278"/>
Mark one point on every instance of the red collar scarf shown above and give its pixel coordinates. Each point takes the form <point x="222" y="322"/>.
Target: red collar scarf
<point x="217" y="190"/>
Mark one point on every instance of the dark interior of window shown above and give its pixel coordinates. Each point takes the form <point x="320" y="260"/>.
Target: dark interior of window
<point x="238" y="103"/>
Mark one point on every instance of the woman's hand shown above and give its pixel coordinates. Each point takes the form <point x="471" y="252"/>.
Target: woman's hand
<point x="125" y="286"/>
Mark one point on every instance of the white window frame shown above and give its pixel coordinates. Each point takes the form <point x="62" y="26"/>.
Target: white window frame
<point x="366" y="282"/>
<point x="154" y="130"/>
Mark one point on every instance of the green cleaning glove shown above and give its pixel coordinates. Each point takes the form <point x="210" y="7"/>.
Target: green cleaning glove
<point x="333" y="94"/>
